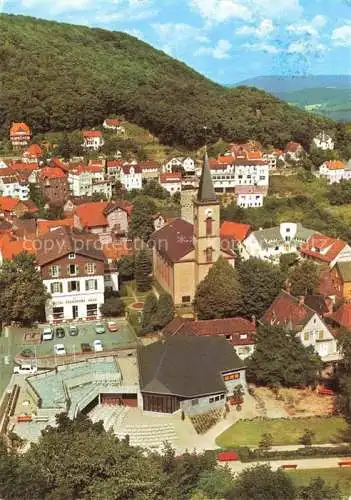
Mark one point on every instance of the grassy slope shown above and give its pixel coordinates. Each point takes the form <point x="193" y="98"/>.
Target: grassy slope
<point x="58" y="76"/>
<point x="341" y="477"/>
<point x="284" y="431"/>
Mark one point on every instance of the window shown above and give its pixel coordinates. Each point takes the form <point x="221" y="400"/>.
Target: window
<point x="58" y="313"/>
<point x="90" y="285"/>
<point x="232" y="376"/>
<point x="72" y="256"/>
<point x="211" y="400"/>
<point x="90" y="268"/>
<point x="209" y="226"/>
<point x="217" y="398"/>
<point x="186" y="299"/>
<point x="91" y="310"/>
<point x="306" y="336"/>
<point x="72" y="269"/>
<point x="222" y="396"/>
<point x="73" y="286"/>
<point x="55" y="271"/>
<point x="209" y="252"/>
<point x="56" y="287"/>
<point x="194" y="402"/>
<point x="321" y="335"/>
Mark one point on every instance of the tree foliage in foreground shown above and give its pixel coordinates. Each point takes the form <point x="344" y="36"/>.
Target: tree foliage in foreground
<point x="219" y="294"/>
<point x="280" y="359"/>
<point x="22" y="292"/>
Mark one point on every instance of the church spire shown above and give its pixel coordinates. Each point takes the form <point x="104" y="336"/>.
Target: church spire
<point x="206" y="192"/>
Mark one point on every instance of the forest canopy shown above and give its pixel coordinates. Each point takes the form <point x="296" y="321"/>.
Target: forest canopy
<point x="57" y="76"/>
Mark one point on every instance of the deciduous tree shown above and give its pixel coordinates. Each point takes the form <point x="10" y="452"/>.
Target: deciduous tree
<point x="304" y="278"/>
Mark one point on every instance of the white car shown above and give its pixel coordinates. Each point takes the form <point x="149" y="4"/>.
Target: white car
<point x="25" y="369"/>
<point x="59" y="349"/>
<point x="48" y="333"/>
<point x="97" y="345"/>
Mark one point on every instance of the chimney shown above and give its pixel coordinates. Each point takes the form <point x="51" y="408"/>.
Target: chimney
<point x="301" y="300"/>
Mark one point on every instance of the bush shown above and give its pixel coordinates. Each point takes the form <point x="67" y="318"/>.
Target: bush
<point x="134" y="318"/>
<point x="113" y="306"/>
<point x="248" y="455"/>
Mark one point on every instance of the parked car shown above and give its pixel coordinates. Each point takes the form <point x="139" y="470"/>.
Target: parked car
<point x="97" y="345"/>
<point x="73" y="330"/>
<point x="100" y="328"/>
<point x="48" y="333"/>
<point x="25" y="369"/>
<point x="85" y="347"/>
<point x="112" y="326"/>
<point x="60" y="332"/>
<point x="59" y="349"/>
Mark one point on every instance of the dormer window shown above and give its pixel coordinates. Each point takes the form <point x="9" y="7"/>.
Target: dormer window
<point x="72" y="256"/>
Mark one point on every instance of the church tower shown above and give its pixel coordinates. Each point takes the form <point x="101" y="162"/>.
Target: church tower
<point x="206" y="225"/>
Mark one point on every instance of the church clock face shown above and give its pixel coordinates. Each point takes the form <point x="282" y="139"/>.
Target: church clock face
<point x="209" y="213"/>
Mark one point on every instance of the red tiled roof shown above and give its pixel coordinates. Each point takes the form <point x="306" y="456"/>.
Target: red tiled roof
<point x="246" y="162"/>
<point x="293" y="147"/>
<point x="19" y="128"/>
<point x="10" y="247"/>
<point x="319" y="242"/>
<point x="126" y="169"/>
<point x="287" y="310"/>
<point x="56" y="162"/>
<point x="170" y="177"/>
<point x="234" y="230"/>
<point x="174" y="240"/>
<point x="51" y="172"/>
<point x="92" y="133"/>
<point x="225" y="160"/>
<point x="343" y="316"/>
<point x="254" y="155"/>
<point x="92" y="214"/>
<point x="5" y="172"/>
<point x="7" y="203"/>
<point x="251" y="190"/>
<point x="34" y="150"/>
<point x="113" y="122"/>
<point x="114" y="163"/>
<point x="114" y="251"/>
<point x="242" y="330"/>
<point x="334" y="165"/>
<point x="47" y="225"/>
<point x="148" y="165"/>
<point x="20" y="166"/>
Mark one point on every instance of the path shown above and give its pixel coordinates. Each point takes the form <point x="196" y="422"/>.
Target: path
<point x="302" y="464"/>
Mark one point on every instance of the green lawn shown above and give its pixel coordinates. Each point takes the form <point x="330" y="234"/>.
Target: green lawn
<point x="284" y="431"/>
<point x="342" y="477"/>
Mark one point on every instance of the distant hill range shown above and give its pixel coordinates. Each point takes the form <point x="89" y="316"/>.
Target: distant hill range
<point x="329" y="95"/>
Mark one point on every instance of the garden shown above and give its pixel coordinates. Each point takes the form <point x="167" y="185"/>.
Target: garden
<point x="284" y="431"/>
<point x="342" y="477"/>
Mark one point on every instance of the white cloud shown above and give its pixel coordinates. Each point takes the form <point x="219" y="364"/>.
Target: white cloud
<point x="278" y="9"/>
<point x="262" y="47"/>
<point x="220" y="51"/>
<point x="305" y="47"/>
<point x="308" y="28"/>
<point x="264" y="29"/>
<point x="175" y="37"/>
<point x="58" y="5"/>
<point x="341" y="37"/>
<point x="221" y="10"/>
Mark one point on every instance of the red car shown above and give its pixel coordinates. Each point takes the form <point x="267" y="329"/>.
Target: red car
<point x="112" y="326"/>
<point x="227" y="456"/>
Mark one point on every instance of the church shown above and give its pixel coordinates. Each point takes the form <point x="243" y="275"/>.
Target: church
<point x="185" y="250"/>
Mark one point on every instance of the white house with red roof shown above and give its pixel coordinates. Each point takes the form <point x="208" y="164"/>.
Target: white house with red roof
<point x="184" y="162"/>
<point x="322" y="248"/>
<point x="86" y="180"/>
<point x="20" y="134"/>
<point x="334" y="171"/>
<point x="131" y="177"/>
<point x="32" y="154"/>
<point x="171" y="182"/>
<point x="250" y="196"/>
<point x="293" y="151"/>
<point x="93" y="140"/>
<point x="149" y="170"/>
<point x="12" y="185"/>
<point x="293" y="314"/>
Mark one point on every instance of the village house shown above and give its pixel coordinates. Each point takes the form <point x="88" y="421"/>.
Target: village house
<point x="159" y="221"/>
<point x="12" y="185"/>
<point x="114" y="124"/>
<point x="340" y="275"/>
<point x="324" y="249"/>
<point x="269" y="244"/>
<point x="32" y="154"/>
<point x="19" y="135"/>
<point x="184" y="163"/>
<point x="250" y="196"/>
<point x="239" y="332"/>
<point x="149" y="170"/>
<point x="10" y="206"/>
<point x="193" y="374"/>
<point x="54" y="186"/>
<point x="87" y="180"/>
<point x="293" y="151"/>
<point x="93" y="140"/>
<point x="294" y="315"/>
<point x="171" y="182"/>
<point x="334" y="171"/>
<point x="183" y="253"/>
<point x="27" y="173"/>
<point x="323" y="141"/>
<point x="131" y="177"/>
<point x="72" y="267"/>
<point x="342" y="316"/>
<point x="233" y="234"/>
<point x="108" y="220"/>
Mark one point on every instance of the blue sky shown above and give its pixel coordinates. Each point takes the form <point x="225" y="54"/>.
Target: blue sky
<point x="227" y="40"/>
